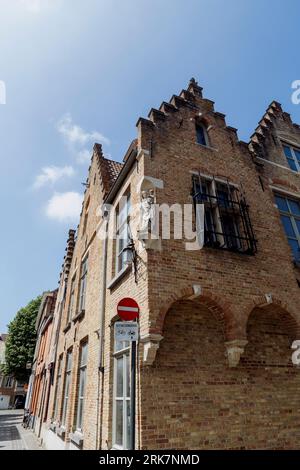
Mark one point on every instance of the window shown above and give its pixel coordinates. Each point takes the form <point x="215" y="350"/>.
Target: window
<point x="66" y="387"/>
<point x="121" y="407"/>
<point x="227" y="223"/>
<point x="81" y="385"/>
<point x="229" y="220"/>
<point x="71" y="301"/>
<point x="8" y="382"/>
<point x="293" y="157"/>
<point x="201" y="134"/>
<point x="122" y="232"/>
<point x="290" y="217"/>
<point x="83" y="281"/>
<point x="58" y="386"/>
<point x="86" y="216"/>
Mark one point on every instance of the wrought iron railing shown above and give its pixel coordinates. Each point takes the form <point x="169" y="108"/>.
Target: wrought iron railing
<point x="227" y="221"/>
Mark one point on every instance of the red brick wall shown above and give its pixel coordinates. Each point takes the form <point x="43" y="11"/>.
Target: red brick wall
<point x="191" y="399"/>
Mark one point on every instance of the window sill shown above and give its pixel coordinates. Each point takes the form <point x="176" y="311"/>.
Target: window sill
<point x="76" y="438"/>
<point x="52" y="427"/>
<point x="119" y="276"/>
<point x="61" y="432"/>
<point x="79" y="316"/>
<point x="207" y="147"/>
<point x="67" y="327"/>
<point x="230" y="250"/>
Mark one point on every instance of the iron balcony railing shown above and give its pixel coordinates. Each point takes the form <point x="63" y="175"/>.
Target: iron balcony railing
<point x="227" y="221"/>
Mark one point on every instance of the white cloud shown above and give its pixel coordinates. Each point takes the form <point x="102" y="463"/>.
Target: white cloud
<point x="75" y="135"/>
<point x="83" y="156"/>
<point x="64" y="207"/>
<point x="51" y="174"/>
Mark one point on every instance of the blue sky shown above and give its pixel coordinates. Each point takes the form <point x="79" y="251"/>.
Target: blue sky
<point x="77" y="71"/>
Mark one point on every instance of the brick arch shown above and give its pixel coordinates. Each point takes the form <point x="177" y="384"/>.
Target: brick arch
<point x="213" y="303"/>
<point x="291" y="319"/>
<point x="204" y="120"/>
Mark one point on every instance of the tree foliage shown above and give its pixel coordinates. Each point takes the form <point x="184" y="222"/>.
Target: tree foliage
<point x="20" y="344"/>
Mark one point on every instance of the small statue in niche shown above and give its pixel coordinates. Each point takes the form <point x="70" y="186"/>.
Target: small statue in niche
<point x="147" y="212"/>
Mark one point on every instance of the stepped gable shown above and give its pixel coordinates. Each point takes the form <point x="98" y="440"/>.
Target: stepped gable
<point x="265" y="128"/>
<point x="69" y="254"/>
<point x="190" y="98"/>
<point x="108" y="169"/>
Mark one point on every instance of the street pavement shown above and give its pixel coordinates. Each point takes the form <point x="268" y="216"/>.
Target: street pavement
<point x="12" y="434"/>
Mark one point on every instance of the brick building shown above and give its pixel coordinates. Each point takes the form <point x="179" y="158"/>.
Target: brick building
<point x="7" y="383"/>
<point x="217" y="323"/>
<point x="40" y="379"/>
<point x="12" y="391"/>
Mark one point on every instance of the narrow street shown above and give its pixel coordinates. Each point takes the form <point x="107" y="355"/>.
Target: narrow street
<point x="12" y="434"/>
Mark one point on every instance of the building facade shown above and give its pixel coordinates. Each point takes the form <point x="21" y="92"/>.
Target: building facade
<point x="40" y="379"/>
<point x="7" y="383"/>
<point x="218" y="315"/>
<point x="12" y="391"/>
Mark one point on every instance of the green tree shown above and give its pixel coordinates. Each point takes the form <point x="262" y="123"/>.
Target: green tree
<point x="20" y="344"/>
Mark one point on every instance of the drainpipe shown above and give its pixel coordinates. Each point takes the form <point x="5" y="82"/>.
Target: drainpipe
<point x="101" y="331"/>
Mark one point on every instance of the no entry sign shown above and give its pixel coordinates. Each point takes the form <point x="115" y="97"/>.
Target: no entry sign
<point x="128" y="309"/>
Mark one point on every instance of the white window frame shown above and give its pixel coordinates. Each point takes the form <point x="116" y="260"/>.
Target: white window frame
<point x="122" y="241"/>
<point x="295" y="159"/>
<point x="58" y="386"/>
<point x="72" y="299"/>
<point x="292" y="216"/>
<point x="83" y="282"/>
<point x="66" y="388"/>
<point x="82" y="377"/>
<point x="212" y="190"/>
<point x="9" y="381"/>
<point x="123" y="353"/>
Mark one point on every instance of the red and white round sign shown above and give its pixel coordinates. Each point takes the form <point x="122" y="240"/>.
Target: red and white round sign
<point x="128" y="309"/>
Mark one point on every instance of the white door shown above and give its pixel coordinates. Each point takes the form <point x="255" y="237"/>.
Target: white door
<point x="4" y="402"/>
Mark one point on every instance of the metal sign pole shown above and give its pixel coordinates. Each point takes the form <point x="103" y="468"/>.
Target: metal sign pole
<point x="132" y="395"/>
<point x="128" y="330"/>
